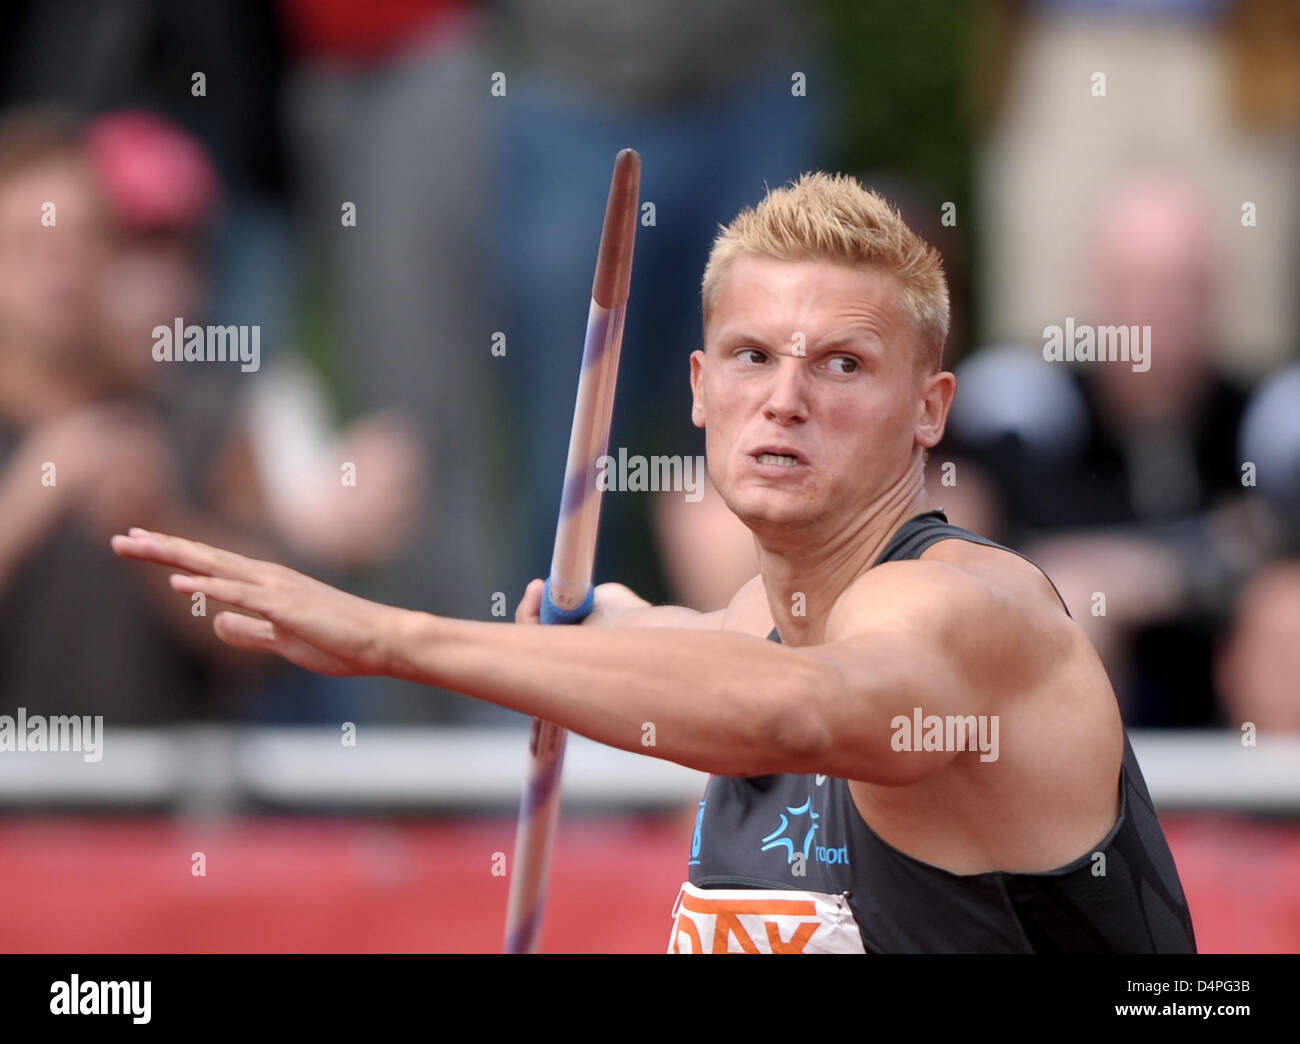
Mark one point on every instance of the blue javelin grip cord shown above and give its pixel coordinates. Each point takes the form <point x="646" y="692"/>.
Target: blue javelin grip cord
<point x="553" y="614"/>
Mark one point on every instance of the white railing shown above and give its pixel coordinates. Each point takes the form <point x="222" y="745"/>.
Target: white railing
<point x="421" y="767"/>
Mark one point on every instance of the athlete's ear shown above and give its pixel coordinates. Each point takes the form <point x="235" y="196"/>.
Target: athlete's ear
<point x="937" y="391"/>
<point x="697" y="392"/>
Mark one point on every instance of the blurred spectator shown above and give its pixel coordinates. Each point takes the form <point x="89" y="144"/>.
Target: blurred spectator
<point x="86" y="449"/>
<point x="1123" y="482"/>
<point x="1270" y="444"/>
<point x="1093" y="88"/>
<point x="1259" y="666"/>
<point x="708" y="552"/>
<point x="276" y="466"/>
<point x="388" y="108"/>
<point x="214" y="69"/>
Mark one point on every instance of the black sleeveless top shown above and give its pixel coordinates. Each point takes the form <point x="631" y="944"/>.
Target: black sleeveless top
<point x="786" y="863"/>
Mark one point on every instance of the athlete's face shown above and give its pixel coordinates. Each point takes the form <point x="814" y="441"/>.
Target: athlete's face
<point x="809" y="394"/>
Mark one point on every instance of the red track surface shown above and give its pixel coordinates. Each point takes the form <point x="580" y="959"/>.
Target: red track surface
<point x="302" y="886"/>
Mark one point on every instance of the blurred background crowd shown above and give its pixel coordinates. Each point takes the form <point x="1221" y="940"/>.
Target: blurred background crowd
<point x="405" y="197"/>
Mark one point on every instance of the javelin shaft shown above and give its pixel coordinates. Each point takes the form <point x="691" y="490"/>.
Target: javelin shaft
<point x="569" y="591"/>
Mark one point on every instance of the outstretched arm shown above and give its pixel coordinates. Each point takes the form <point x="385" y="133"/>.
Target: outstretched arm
<point x="718" y="701"/>
<point x="944" y="643"/>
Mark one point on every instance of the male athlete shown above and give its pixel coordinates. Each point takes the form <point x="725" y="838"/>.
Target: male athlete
<point x="913" y="746"/>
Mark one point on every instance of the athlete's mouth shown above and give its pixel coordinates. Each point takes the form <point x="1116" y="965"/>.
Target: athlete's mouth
<point x="781" y="456"/>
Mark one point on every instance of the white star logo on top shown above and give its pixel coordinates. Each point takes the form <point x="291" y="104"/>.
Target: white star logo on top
<point x="820" y="779"/>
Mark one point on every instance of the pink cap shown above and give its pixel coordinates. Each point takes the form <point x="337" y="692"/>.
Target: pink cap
<point x="155" y="174"/>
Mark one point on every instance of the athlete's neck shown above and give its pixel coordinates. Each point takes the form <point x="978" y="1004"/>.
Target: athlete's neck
<point x="803" y="582"/>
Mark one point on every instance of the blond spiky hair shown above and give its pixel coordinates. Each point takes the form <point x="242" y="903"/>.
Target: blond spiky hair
<point x="831" y="217"/>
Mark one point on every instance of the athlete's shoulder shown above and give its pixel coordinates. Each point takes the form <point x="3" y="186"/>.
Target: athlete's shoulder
<point x="973" y="600"/>
<point x="1001" y="569"/>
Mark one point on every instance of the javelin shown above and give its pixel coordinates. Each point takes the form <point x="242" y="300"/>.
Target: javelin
<point x="569" y="593"/>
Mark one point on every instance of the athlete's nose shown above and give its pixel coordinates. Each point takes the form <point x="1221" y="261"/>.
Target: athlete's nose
<point x="786" y="400"/>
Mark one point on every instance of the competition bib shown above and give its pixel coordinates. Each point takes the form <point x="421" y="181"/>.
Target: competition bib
<point x="762" y="920"/>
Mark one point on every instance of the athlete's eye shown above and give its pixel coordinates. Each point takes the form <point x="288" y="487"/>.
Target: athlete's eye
<point x="752" y="355"/>
<point x="851" y="365"/>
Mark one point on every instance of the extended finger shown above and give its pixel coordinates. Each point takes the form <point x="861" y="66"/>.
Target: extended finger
<point x="247" y="632"/>
<point x="189" y="555"/>
<point x="239" y="593"/>
<point x="244" y="632"/>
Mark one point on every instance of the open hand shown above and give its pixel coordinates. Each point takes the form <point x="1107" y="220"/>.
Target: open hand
<point x="282" y="611"/>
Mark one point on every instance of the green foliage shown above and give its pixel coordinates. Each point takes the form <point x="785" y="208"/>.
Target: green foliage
<point x="902" y="71"/>
<point x="903" y="75"/>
